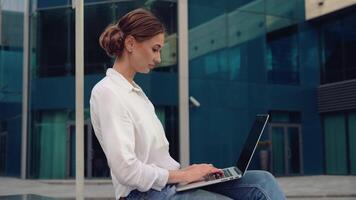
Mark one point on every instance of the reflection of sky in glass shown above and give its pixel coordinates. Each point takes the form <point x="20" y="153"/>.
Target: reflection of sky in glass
<point x="227" y="30"/>
<point x="12" y="5"/>
<point x="11" y="23"/>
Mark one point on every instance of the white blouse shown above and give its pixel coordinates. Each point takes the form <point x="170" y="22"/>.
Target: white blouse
<point x="130" y="134"/>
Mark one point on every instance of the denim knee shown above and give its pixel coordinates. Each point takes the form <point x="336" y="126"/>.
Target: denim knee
<point x="267" y="183"/>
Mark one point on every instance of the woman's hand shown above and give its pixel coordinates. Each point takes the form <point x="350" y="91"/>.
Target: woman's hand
<point x="193" y="173"/>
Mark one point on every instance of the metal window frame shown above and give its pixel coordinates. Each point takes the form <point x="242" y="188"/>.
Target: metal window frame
<point x="25" y="74"/>
<point x="183" y="83"/>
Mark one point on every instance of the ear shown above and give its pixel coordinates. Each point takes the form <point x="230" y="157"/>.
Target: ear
<point x="129" y="43"/>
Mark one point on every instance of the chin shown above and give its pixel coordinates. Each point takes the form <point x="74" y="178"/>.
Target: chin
<point x="146" y="71"/>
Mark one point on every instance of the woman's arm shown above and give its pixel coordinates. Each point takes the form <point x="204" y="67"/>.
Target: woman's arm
<point x="193" y="173"/>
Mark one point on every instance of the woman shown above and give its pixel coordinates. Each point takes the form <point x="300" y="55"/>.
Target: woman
<point x="130" y="133"/>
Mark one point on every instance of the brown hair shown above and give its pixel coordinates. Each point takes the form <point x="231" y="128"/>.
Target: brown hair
<point x="139" y="23"/>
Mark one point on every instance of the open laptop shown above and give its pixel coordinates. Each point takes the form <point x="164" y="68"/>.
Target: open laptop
<point x="239" y="170"/>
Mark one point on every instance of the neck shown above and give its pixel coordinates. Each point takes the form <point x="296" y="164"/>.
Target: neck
<point x="123" y="67"/>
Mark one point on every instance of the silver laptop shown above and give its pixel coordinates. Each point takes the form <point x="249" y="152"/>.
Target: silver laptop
<point x="239" y="170"/>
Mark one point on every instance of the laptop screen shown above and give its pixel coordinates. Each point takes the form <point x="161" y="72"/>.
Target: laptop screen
<point x="251" y="142"/>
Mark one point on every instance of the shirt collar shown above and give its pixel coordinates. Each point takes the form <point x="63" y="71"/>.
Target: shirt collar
<point x="122" y="81"/>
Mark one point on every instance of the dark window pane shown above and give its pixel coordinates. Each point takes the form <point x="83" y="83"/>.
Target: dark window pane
<point x="97" y="17"/>
<point x="332" y="52"/>
<point x="285" y="117"/>
<point x="349" y="45"/>
<point x="282" y="56"/>
<point x="56" y="42"/>
<point x="47" y="4"/>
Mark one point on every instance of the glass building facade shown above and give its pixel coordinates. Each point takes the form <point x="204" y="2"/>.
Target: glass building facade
<point x="337" y="33"/>
<point x="250" y="57"/>
<point x="245" y="57"/>
<point x="11" y="52"/>
<point x="52" y="82"/>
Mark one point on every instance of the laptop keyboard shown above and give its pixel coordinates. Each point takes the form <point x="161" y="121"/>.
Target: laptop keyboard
<point x="210" y="177"/>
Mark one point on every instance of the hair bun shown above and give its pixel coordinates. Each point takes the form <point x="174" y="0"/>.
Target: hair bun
<point x="112" y="40"/>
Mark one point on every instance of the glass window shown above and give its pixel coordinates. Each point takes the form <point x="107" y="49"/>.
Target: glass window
<point x="349" y="44"/>
<point x="52" y="88"/>
<point x="338" y="43"/>
<point x="285" y="117"/>
<point x="97" y="17"/>
<point x="352" y="142"/>
<point x="335" y="144"/>
<point x="11" y="65"/>
<point x="55" y="37"/>
<point x="226" y="56"/>
<point x="50" y="4"/>
<point x="207" y="9"/>
<point x="168" y="117"/>
<point x="3" y="147"/>
<point x="282" y="56"/>
<point x="331" y="39"/>
<point x="287" y="9"/>
<point x="257" y="6"/>
<point x="48" y="148"/>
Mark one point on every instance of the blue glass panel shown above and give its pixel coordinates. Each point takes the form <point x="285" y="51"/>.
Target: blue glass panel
<point x="337" y="46"/>
<point x="257" y="6"/>
<point x="227" y="46"/>
<point x="349" y="46"/>
<point x="332" y="52"/>
<point x="282" y="8"/>
<point x="11" y="75"/>
<point x="282" y="56"/>
<point x="97" y="1"/>
<point x="55" y="40"/>
<point x="96" y="18"/>
<point x="48" y="4"/>
<point x="200" y="11"/>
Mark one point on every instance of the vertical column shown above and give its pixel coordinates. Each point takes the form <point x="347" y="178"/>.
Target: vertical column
<point x="79" y="99"/>
<point x="26" y="19"/>
<point x="183" y="82"/>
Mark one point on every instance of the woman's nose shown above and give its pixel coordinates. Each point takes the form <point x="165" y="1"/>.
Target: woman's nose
<point x="157" y="59"/>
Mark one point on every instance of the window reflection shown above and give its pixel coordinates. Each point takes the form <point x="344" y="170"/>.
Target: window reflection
<point x="52" y="93"/>
<point x="11" y="54"/>
<point x="282" y="56"/>
<point x="337" y="46"/>
<point x="56" y="42"/>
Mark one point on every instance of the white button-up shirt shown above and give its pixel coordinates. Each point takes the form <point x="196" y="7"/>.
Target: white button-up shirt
<point x="130" y="134"/>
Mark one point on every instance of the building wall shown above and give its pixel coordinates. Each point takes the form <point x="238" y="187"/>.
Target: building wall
<point x="245" y="57"/>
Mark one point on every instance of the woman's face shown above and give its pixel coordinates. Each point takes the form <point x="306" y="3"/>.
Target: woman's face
<point x="146" y="55"/>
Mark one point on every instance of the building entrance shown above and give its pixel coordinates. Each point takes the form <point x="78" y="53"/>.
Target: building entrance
<point x="286" y="149"/>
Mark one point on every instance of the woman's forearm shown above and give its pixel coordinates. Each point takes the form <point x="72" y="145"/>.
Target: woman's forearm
<point x="192" y="173"/>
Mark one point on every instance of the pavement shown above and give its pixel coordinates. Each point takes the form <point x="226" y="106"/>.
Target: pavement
<point x="296" y="188"/>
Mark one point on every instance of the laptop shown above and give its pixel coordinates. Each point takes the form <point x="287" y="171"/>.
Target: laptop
<point x="242" y="163"/>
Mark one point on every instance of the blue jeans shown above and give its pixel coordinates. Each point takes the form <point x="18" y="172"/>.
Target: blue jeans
<point x="253" y="185"/>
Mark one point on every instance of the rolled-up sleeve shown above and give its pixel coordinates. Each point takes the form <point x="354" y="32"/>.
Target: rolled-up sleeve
<point x="118" y="141"/>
